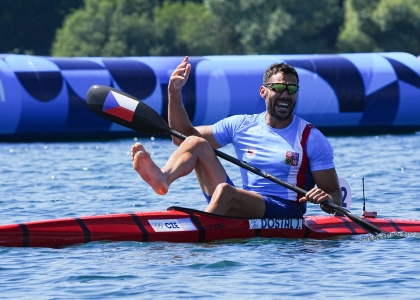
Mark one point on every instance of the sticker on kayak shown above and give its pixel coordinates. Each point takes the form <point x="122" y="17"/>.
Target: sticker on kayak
<point x="275" y="223"/>
<point x="172" y="225"/>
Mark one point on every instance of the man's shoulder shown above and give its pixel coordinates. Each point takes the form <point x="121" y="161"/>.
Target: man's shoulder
<point x="245" y="118"/>
<point x="303" y="121"/>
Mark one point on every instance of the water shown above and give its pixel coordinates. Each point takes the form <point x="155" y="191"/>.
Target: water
<point x="56" y="180"/>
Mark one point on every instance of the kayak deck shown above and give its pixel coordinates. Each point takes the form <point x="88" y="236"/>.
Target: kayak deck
<point x="179" y="224"/>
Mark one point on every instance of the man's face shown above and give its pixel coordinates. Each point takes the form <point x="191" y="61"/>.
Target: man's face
<point x="280" y="105"/>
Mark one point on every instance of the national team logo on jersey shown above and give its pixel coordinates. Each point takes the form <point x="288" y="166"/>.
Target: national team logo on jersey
<point x="292" y="158"/>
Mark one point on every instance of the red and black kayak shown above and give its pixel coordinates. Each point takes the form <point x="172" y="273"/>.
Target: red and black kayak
<point x="184" y="225"/>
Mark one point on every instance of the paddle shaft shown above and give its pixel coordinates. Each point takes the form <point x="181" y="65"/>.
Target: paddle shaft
<point x="246" y="166"/>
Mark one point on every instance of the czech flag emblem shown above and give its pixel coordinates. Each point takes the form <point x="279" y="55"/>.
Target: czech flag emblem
<point x="292" y="158"/>
<point x="120" y="106"/>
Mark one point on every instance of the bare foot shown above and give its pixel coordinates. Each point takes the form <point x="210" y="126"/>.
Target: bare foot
<point x="148" y="170"/>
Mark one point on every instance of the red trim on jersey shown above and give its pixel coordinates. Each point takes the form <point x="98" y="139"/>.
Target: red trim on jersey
<point x="304" y="167"/>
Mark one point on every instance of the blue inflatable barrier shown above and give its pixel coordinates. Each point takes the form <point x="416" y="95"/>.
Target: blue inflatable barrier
<point x="43" y="98"/>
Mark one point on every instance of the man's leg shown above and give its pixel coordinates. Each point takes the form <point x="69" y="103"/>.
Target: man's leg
<point x="196" y="154"/>
<point x="231" y="201"/>
<point x="193" y="154"/>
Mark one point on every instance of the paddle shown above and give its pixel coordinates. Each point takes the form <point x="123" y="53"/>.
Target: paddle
<point x="124" y="109"/>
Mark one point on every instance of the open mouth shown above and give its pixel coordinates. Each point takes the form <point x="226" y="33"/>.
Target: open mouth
<point x="282" y="105"/>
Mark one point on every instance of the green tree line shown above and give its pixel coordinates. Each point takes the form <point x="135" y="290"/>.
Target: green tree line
<point x="29" y="26"/>
<point x="210" y="27"/>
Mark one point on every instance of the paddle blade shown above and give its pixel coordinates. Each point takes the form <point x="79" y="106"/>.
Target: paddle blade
<point x="123" y="109"/>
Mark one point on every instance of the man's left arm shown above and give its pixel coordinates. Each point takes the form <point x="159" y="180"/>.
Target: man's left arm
<point x="327" y="188"/>
<point x="321" y="158"/>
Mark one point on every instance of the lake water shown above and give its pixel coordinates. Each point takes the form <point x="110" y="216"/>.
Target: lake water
<point x="56" y="180"/>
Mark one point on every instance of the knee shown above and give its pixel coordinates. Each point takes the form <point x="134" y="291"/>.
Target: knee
<point x="196" y="142"/>
<point x="193" y="139"/>
<point x="224" y="188"/>
<point x="224" y="192"/>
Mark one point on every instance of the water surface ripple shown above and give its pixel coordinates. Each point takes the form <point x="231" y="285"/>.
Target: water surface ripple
<point x="56" y="180"/>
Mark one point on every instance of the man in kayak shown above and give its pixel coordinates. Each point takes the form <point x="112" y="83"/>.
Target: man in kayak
<point x="275" y="141"/>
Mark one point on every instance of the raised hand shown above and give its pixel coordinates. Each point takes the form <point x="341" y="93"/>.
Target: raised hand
<point x="180" y="75"/>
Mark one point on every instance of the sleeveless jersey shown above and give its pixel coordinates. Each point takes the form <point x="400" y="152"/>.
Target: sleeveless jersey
<point x="289" y="153"/>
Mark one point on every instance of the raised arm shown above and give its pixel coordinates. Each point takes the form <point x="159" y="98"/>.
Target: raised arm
<point x="177" y="115"/>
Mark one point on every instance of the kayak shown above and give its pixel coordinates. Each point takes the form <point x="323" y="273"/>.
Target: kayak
<point x="184" y="225"/>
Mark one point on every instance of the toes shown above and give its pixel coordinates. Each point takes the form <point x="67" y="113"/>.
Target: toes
<point x="135" y="149"/>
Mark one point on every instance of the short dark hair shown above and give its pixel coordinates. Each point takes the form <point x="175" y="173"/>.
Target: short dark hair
<point x="279" y="68"/>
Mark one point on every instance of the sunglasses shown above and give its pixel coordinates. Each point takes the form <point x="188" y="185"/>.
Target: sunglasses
<point x="280" y="87"/>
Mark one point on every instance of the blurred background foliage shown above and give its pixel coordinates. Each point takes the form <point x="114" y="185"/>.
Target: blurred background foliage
<point x="207" y="27"/>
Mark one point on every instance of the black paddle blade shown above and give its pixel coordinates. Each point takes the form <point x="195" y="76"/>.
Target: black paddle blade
<point x="123" y="109"/>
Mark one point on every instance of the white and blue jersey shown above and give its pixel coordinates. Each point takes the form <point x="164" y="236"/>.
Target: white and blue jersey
<point x="290" y="153"/>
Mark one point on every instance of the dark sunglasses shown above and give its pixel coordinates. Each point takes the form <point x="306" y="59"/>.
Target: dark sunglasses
<point x="280" y="87"/>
